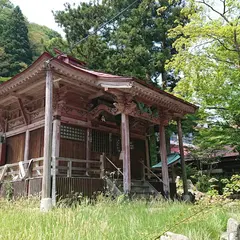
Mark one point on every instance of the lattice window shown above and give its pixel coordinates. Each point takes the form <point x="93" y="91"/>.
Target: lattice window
<point x="73" y="133"/>
<point x="100" y="142"/>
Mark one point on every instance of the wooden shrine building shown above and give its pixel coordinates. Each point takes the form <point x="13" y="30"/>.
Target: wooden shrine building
<point x="63" y="127"/>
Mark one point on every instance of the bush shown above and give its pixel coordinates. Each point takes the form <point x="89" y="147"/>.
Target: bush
<point x="232" y="185"/>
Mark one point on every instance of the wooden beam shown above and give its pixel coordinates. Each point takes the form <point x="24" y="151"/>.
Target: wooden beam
<point x="55" y="154"/>
<point x="30" y="127"/>
<point x="26" y="147"/>
<point x="96" y="95"/>
<point x="163" y="154"/>
<point x="23" y="111"/>
<point x="22" y="96"/>
<point x="126" y="153"/>
<point x="46" y="202"/>
<point x="183" y="165"/>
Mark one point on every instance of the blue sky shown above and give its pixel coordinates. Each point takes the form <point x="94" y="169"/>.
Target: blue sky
<point x="40" y="11"/>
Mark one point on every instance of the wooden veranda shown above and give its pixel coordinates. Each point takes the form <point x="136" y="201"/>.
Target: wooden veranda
<point x="60" y="120"/>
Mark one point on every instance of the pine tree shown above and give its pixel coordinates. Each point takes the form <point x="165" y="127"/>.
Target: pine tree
<point x="16" y="44"/>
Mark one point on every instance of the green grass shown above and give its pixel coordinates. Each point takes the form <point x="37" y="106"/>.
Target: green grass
<point x="113" y="220"/>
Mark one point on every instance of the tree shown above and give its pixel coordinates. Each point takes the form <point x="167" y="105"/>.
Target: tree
<point x="16" y="43"/>
<point x="40" y="37"/>
<point x="136" y="43"/>
<point x="208" y="61"/>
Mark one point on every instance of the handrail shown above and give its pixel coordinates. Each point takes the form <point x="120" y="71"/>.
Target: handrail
<point x="76" y="160"/>
<point x="149" y="169"/>
<point x="21" y="171"/>
<point x="118" y="169"/>
<point x="10" y="165"/>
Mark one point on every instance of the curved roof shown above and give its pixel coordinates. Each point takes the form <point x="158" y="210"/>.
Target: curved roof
<point x="71" y="67"/>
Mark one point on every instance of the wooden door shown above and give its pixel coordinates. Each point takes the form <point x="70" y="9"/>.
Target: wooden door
<point x="137" y="154"/>
<point x="36" y="144"/>
<point x="15" y="148"/>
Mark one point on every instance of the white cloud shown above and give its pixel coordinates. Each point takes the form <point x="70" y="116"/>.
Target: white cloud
<point x="40" y="11"/>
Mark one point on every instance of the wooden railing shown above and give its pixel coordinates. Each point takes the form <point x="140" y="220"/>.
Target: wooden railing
<point x="21" y="170"/>
<point x="103" y="160"/>
<point x="150" y="174"/>
<point x="64" y="167"/>
<point x="70" y="167"/>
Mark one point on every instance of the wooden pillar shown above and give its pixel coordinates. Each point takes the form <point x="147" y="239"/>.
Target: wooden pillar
<point x="183" y="166"/>
<point x="55" y="154"/>
<point x="147" y="156"/>
<point x="103" y="165"/>
<point x="46" y="202"/>
<point x="88" y="148"/>
<point x="163" y="154"/>
<point x="26" y="147"/>
<point x="126" y="153"/>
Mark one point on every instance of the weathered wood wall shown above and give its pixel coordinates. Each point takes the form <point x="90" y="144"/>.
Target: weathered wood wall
<point x="15" y="148"/>
<point x="36" y="143"/>
<point x="24" y="188"/>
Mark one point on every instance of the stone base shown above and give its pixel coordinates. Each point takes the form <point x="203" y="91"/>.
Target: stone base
<point x="46" y="205"/>
<point x="187" y="198"/>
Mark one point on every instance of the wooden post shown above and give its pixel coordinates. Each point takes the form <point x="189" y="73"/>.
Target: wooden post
<point x="46" y="202"/>
<point x="69" y="171"/>
<point x="103" y="163"/>
<point x="26" y="147"/>
<point x="183" y="166"/>
<point x="126" y="153"/>
<point x="55" y="154"/>
<point x="147" y="155"/>
<point x="163" y="154"/>
<point x="143" y="171"/>
<point x="88" y="148"/>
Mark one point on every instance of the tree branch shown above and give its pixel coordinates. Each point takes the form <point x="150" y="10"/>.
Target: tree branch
<point x="229" y="49"/>
<point x="236" y="44"/>
<point x="220" y="60"/>
<point x="214" y="10"/>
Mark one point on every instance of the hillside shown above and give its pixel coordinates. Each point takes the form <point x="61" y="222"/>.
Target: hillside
<point x="21" y="42"/>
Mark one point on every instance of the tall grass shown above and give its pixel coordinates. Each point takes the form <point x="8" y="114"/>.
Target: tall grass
<point x="108" y="219"/>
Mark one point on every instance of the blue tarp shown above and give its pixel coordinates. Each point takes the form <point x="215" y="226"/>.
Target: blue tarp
<point x="171" y="158"/>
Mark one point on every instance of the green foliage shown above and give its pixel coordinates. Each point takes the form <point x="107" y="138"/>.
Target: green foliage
<point x="40" y="37"/>
<point x="8" y="189"/>
<point x="208" y="62"/>
<point x="21" y="42"/>
<point x="232" y="185"/>
<point x="203" y="184"/>
<point x="153" y="147"/>
<point x="135" y="44"/>
<point x="16" y="42"/>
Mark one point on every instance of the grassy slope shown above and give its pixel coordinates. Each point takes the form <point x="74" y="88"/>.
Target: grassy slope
<point x="110" y="220"/>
